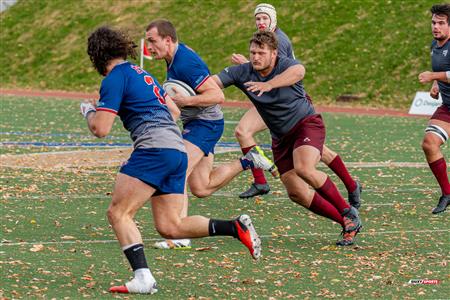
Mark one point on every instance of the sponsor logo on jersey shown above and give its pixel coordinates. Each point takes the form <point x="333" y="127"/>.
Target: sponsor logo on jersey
<point x="445" y="52"/>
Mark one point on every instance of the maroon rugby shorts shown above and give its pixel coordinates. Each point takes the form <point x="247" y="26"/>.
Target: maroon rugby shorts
<point x="308" y="131"/>
<point x="442" y="113"/>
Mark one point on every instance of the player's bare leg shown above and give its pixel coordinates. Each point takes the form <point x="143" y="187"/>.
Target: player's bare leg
<point x="436" y="135"/>
<point x="301" y="193"/>
<point x="305" y="161"/>
<point x="166" y="215"/>
<point x="129" y="195"/>
<point x="250" y="124"/>
<point x="203" y="180"/>
<point x="335" y="163"/>
<point x="195" y="155"/>
<point x="206" y="179"/>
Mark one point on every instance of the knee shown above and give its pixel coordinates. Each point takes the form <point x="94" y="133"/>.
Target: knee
<point x="113" y="214"/>
<point x="242" y="133"/>
<point x="428" y="145"/>
<point x="168" y="230"/>
<point x="305" y="172"/>
<point x="200" y="193"/>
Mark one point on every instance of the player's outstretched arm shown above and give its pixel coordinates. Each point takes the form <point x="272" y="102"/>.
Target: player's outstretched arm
<point x="289" y="77"/>
<point x="238" y="59"/>
<point x="428" y="76"/>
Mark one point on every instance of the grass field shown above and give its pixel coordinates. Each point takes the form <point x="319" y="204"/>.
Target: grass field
<point x="56" y="242"/>
<point x="359" y="47"/>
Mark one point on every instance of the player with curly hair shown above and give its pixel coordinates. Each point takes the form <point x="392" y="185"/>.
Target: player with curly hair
<point x="156" y="169"/>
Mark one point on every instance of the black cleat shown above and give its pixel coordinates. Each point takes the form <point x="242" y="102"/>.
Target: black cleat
<point x="354" y="198"/>
<point x="352" y="220"/>
<point x="442" y="205"/>
<point x="255" y="190"/>
<point x="348" y="238"/>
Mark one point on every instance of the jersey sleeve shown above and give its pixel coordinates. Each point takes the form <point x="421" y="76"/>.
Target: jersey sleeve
<point x="230" y="75"/>
<point x="194" y="73"/>
<point x="111" y="92"/>
<point x="284" y="63"/>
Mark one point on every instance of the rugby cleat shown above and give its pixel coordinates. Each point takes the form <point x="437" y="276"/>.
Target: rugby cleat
<point x="255" y="190"/>
<point x="261" y="161"/>
<point x="348" y="238"/>
<point x="352" y="221"/>
<point x="136" y="286"/>
<point x="354" y="198"/>
<point x="248" y="236"/>
<point x="444" y="200"/>
<point x="179" y="244"/>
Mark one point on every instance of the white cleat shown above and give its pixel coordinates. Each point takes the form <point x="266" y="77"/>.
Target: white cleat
<point x="261" y="161"/>
<point x="248" y="236"/>
<point x="180" y="244"/>
<point x="136" y="286"/>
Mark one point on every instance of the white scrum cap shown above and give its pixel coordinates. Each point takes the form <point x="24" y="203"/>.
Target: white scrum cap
<point x="268" y="9"/>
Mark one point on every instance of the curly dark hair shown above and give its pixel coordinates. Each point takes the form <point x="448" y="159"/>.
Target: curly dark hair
<point x="262" y="38"/>
<point x="105" y="44"/>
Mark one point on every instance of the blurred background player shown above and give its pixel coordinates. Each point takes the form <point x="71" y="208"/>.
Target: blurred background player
<point x="251" y="123"/>
<point x="438" y="129"/>
<point x="156" y="169"/>
<point x="274" y="85"/>
<point x="201" y="115"/>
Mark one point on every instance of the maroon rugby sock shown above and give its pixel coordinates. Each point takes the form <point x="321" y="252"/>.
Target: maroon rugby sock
<point x="258" y="174"/>
<point x="325" y="209"/>
<point x="439" y="169"/>
<point x="330" y="192"/>
<point x="339" y="168"/>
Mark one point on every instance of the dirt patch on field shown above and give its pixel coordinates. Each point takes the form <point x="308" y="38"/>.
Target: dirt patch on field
<point x="67" y="160"/>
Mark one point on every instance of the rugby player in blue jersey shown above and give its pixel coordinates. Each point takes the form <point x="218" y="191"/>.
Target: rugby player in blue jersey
<point x="251" y="123"/>
<point x="156" y="169"/>
<point x="274" y="85"/>
<point x="201" y="116"/>
<point x="438" y="130"/>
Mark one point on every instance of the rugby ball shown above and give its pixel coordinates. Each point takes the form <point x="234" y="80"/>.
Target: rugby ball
<point x="171" y="85"/>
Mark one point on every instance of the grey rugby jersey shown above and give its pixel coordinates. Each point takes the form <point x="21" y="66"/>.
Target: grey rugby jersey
<point x="284" y="44"/>
<point x="440" y="62"/>
<point x="280" y="108"/>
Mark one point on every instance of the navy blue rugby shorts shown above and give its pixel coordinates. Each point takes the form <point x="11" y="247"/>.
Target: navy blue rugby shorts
<point x="204" y="134"/>
<point x="161" y="168"/>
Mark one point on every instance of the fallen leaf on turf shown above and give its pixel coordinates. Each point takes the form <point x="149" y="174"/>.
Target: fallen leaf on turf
<point x="37" y="248"/>
<point x="203" y="249"/>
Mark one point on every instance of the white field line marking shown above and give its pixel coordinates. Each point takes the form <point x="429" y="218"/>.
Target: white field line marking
<point x="225" y="195"/>
<point x="265" y="236"/>
<point x="219" y="150"/>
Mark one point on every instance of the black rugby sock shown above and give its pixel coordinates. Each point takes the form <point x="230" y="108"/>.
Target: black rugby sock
<point x="222" y="227"/>
<point x="136" y="257"/>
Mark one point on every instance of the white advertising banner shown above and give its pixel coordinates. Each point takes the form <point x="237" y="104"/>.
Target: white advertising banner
<point x="423" y="104"/>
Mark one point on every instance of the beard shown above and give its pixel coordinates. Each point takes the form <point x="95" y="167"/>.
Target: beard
<point x="441" y="38"/>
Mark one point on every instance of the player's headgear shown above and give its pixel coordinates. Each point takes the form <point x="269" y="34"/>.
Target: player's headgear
<point x="437" y="130"/>
<point x="265" y="8"/>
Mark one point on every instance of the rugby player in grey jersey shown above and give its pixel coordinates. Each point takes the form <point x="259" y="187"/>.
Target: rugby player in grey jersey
<point x="251" y="123"/>
<point x="438" y="129"/>
<point x="274" y="85"/>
